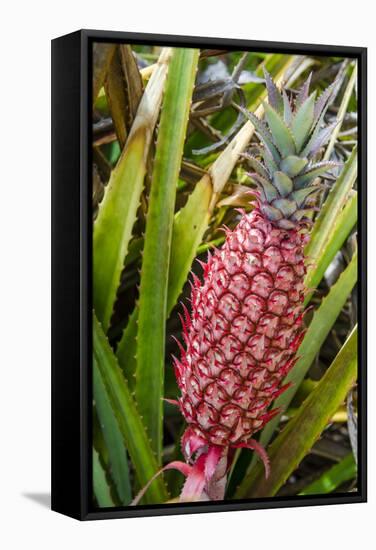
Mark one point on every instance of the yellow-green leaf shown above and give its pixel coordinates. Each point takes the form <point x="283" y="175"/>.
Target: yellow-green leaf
<point x="152" y="314"/>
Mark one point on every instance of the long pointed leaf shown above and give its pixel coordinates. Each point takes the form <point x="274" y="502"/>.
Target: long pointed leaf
<point x="321" y="107"/>
<point x="156" y="255"/>
<point x="263" y="132"/>
<point x="117" y="211"/>
<point x="101" y="489"/>
<point x="335" y="476"/>
<point x="340" y="230"/>
<point x="190" y="225"/>
<point x="274" y="95"/>
<point x="302" y="121"/>
<point x="287" y="111"/>
<point x="282" y="135"/>
<point x="116" y="450"/>
<point x="341" y="112"/>
<point x="314" y="171"/>
<point x="331" y="209"/>
<point x="128" y="418"/>
<point x="302" y="95"/>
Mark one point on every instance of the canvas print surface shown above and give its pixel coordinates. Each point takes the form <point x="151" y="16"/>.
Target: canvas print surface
<point x="224" y="196"/>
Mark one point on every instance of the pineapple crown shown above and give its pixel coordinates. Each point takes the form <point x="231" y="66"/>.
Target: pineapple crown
<point x="291" y="136"/>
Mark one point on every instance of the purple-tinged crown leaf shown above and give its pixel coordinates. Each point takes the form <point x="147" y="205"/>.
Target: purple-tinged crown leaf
<point x="303" y="92"/>
<point x="301" y="195"/>
<point x="313" y="172"/>
<point x="286" y="206"/>
<point x="257" y="166"/>
<point x="274" y="95"/>
<point x="263" y="133"/>
<point x="322" y="138"/>
<point x="268" y="189"/>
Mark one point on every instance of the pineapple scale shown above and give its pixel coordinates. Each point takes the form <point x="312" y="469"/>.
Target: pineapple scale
<point x="243" y="331"/>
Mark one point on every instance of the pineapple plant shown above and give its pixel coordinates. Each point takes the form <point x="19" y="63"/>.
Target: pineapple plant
<point x="246" y="321"/>
<point x="244" y="339"/>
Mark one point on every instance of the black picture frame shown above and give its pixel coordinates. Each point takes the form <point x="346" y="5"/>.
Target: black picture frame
<point x="71" y="270"/>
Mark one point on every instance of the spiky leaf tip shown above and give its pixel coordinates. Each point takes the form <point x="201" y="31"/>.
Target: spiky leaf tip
<point x="274" y="95"/>
<point x="303" y="92"/>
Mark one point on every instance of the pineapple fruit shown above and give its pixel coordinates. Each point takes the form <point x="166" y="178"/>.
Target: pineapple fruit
<point x="246" y="320"/>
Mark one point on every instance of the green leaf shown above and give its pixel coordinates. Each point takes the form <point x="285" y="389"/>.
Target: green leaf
<point x="274" y="95"/>
<point x="292" y="165"/>
<point x="113" y="439"/>
<point x="156" y="255"/>
<point x="264" y="134"/>
<point x="325" y="221"/>
<point x="334" y="477"/>
<point x="313" y="172"/>
<point x="337" y="235"/>
<point x="269" y="191"/>
<point x="302" y="121"/>
<point x="320" y="109"/>
<point x="258" y="166"/>
<point x="134" y="250"/>
<point x="342" y="111"/>
<point x="319" y="328"/>
<point x="283" y="183"/>
<point x="101" y="489"/>
<point x="286" y="206"/>
<point x="127" y="348"/>
<point x="113" y="226"/>
<point x="302" y="431"/>
<point x="282" y="136"/>
<point x="301" y="195"/>
<point x="190" y="224"/>
<point x="118" y="210"/>
<point x="127" y="416"/>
